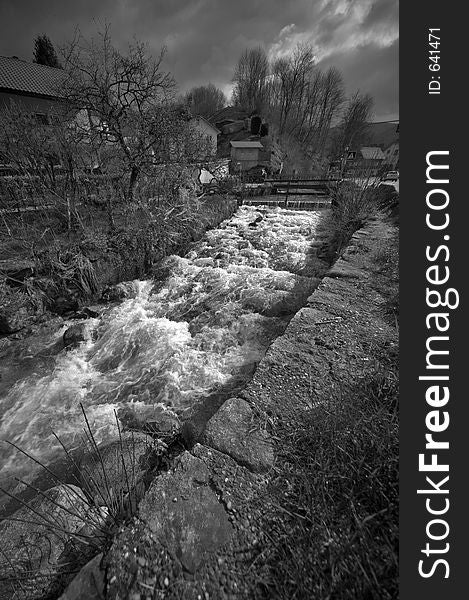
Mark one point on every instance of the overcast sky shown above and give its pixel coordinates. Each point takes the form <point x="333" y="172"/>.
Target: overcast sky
<point x="204" y="38"/>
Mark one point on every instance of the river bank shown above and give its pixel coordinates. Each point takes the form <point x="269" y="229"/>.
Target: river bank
<point x="75" y="270"/>
<point x="281" y="466"/>
<point x="227" y="457"/>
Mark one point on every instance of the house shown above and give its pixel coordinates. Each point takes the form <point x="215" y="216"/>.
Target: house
<point x="367" y="161"/>
<point x="34" y="88"/>
<point x="372" y="153"/>
<point x="391" y="154"/>
<point x="207" y="131"/>
<point x="245" y="155"/>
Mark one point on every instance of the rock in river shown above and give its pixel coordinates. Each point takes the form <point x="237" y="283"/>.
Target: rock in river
<point x="76" y="334"/>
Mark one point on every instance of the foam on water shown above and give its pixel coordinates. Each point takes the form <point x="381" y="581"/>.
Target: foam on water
<point x="177" y="340"/>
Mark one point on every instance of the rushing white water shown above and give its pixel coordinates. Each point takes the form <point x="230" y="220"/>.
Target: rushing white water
<point x="177" y="340"/>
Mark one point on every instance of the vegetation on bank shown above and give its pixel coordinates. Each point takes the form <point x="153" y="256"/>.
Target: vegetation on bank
<point x="338" y="493"/>
<point x="73" y="269"/>
<point x="104" y="184"/>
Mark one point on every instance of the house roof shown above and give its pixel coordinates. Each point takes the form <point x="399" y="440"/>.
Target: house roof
<point x="30" y="79"/>
<point x="229" y="113"/>
<point x="372" y="152"/>
<point x="243" y="144"/>
<point x="200" y="117"/>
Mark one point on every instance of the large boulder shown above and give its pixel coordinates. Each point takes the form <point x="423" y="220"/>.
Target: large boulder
<point x="35" y="540"/>
<point x="148" y="418"/>
<point x="120" y="291"/>
<point x="65" y="304"/>
<point x="116" y="474"/>
<point x="76" y="334"/>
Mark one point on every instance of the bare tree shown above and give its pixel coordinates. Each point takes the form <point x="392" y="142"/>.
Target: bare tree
<point x="250" y="79"/>
<point x="205" y="100"/>
<point x="128" y="98"/>
<point x="332" y="97"/>
<point x="303" y="101"/>
<point x="291" y="75"/>
<point x="354" y="123"/>
<point x="119" y="129"/>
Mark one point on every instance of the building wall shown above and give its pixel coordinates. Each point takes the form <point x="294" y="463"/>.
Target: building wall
<point x="206" y="130"/>
<point x="247" y="157"/>
<point x="31" y="104"/>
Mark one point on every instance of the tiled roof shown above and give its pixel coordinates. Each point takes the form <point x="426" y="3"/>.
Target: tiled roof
<point x="372" y="152"/>
<point x="29" y="78"/>
<point x="229" y="113"/>
<point x="246" y="145"/>
<point x="208" y="122"/>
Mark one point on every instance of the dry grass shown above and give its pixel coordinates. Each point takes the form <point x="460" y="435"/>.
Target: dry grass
<point x="352" y="205"/>
<point x="338" y="491"/>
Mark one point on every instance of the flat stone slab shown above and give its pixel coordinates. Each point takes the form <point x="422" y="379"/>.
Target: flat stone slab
<point x="232" y="430"/>
<point x="184" y="514"/>
<point x="88" y="584"/>
<point x="345" y="270"/>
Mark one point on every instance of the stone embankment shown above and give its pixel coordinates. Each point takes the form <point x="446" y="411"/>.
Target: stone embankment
<point x="198" y="532"/>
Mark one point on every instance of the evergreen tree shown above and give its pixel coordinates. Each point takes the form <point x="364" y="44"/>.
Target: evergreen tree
<point x="44" y="52"/>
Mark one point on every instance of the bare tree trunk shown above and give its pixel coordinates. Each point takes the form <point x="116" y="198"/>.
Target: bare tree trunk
<point x="135" y="172"/>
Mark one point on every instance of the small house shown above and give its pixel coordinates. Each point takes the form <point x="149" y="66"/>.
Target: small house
<point x="367" y="161"/>
<point x="245" y="155"/>
<point x="207" y="130"/>
<point x="32" y="87"/>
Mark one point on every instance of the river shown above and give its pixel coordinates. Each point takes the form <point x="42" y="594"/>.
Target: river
<point x="201" y="326"/>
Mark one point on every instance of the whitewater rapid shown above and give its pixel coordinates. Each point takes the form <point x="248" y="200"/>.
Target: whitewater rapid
<point x="200" y="326"/>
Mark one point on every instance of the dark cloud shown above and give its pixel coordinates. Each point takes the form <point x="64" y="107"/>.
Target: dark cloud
<point x="205" y="37"/>
<point x="372" y="70"/>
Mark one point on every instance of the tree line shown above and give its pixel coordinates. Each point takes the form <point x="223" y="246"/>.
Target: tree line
<point x="300" y="99"/>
